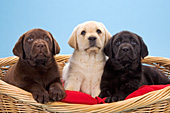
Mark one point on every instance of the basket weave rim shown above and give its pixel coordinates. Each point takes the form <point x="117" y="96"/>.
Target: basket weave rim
<point x="132" y="103"/>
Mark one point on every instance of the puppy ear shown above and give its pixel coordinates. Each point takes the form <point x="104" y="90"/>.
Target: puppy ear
<point x="144" y="50"/>
<point x="108" y="48"/>
<point x="107" y="34"/>
<point x="56" y="47"/>
<point x="18" y="49"/>
<point x="73" y="39"/>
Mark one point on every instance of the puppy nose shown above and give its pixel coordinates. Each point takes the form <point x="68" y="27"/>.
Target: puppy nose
<point x="125" y="49"/>
<point x="40" y="45"/>
<point x="92" y="38"/>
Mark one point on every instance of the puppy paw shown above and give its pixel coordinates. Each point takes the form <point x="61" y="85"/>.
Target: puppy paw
<point x="111" y="99"/>
<point x="105" y="93"/>
<point x="101" y="95"/>
<point x="56" y="94"/>
<point x="41" y="96"/>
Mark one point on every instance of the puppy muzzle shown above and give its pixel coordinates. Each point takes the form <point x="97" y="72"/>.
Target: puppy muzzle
<point x="125" y="52"/>
<point x="92" y="41"/>
<point x="40" y="53"/>
<point x="93" y="47"/>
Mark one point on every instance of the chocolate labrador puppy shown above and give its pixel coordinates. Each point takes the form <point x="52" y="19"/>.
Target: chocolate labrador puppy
<point x="123" y="71"/>
<point x="36" y="70"/>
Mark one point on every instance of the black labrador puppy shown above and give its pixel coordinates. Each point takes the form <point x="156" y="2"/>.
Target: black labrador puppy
<point x="36" y="70"/>
<point x="123" y="71"/>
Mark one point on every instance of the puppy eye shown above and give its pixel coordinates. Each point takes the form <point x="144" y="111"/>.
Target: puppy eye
<point x="83" y="32"/>
<point x="47" y="38"/>
<point x="30" y="39"/>
<point x="98" y="31"/>
<point x="118" y="43"/>
<point x="133" y="42"/>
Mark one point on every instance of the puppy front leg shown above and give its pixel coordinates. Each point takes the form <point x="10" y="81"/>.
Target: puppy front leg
<point x="38" y="92"/>
<point x="105" y="91"/>
<point x="96" y="89"/>
<point x="73" y="83"/>
<point x="56" y="91"/>
<point x="105" y="87"/>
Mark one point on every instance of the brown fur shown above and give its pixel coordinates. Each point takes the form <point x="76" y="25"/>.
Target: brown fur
<point x="36" y="70"/>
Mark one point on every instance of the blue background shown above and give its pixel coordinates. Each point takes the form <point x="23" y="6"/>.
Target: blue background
<point x="148" y="18"/>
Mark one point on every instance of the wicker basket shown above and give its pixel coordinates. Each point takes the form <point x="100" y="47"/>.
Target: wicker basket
<point x="14" y="99"/>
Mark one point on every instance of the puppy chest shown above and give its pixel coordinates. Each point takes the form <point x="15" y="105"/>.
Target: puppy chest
<point x="92" y="70"/>
<point x="92" y="74"/>
<point x="44" y="80"/>
<point x="124" y="83"/>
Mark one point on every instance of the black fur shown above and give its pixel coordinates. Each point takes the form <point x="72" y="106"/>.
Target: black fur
<point x="123" y="71"/>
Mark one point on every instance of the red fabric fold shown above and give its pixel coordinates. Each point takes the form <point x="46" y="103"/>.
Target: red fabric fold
<point x="81" y="98"/>
<point x="145" y="89"/>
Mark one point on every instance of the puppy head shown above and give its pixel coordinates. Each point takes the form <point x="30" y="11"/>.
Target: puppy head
<point x="89" y="36"/>
<point x="36" y="46"/>
<point x="126" y="46"/>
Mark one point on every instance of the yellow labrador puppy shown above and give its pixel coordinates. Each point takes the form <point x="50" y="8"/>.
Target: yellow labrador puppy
<point x="84" y="70"/>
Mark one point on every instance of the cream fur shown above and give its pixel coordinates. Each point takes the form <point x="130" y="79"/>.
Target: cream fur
<point x="84" y="70"/>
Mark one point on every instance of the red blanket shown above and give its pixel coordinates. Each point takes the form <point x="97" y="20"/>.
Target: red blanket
<point x="82" y="98"/>
<point x="145" y="89"/>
